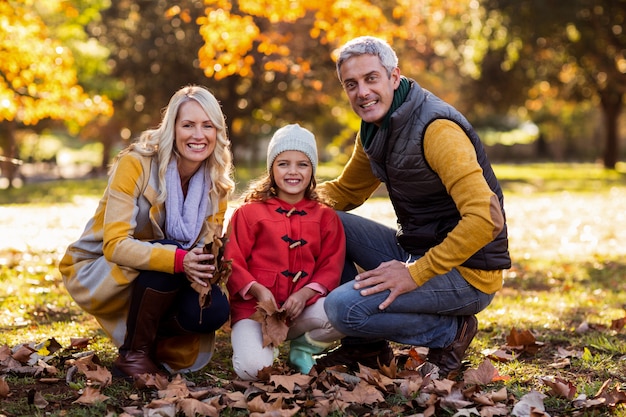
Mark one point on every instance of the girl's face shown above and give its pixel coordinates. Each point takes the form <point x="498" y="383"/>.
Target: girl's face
<point x="292" y="172"/>
<point x="195" y="137"/>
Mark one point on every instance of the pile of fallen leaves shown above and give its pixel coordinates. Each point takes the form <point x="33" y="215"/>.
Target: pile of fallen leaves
<point x="412" y="389"/>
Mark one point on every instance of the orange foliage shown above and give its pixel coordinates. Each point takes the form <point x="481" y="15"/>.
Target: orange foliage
<point x="37" y="75"/>
<point x="233" y="38"/>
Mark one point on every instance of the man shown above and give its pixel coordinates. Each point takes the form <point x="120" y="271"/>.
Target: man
<point x="424" y="283"/>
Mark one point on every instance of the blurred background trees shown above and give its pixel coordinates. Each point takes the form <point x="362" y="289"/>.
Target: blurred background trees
<point x="539" y="80"/>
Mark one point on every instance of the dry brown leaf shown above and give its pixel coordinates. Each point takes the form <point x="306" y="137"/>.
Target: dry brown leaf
<point x="289" y="382"/>
<point x="483" y="375"/>
<point x="192" y="407"/>
<point x="39" y="401"/>
<point x="496" y="410"/>
<point x="408" y="387"/>
<point x="151" y="381"/>
<point x="564" y="353"/>
<point x="175" y="389"/>
<point x="618" y="324"/>
<point x="529" y="404"/>
<point x="22" y="353"/>
<point x="611" y="396"/>
<point x="500" y="395"/>
<point x="90" y="396"/>
<point x="524" y="341"/>
<point x="235" y="399"/>
<point x="467" y="412"/>
<point x="258" y="405"/>
<point x="560" y="387"/>
<point x="79" y="342"/>
<point x="100" y="376"/>
<point x="455" y="400"/>
<point x="560" y="364"/>
<point x="498" y="355"/>
<point x="4" y="388"/>
<point x="85" y="363"/>
<point x="442" y="387"/>
<point x="5" y="352"/>
<point x="160" y="408"/>
<point x="363" y="393"/>
<point x="273" y="323"/>
<point x="374" y="377"/>
<point x="49" y="369"/>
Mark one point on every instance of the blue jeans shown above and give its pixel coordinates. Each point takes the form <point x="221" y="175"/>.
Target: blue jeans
<point x="427" y="316"/>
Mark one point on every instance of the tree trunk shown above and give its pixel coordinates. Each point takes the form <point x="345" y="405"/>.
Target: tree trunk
<point x="10" y="162"/>
<point x="611" y="107"/>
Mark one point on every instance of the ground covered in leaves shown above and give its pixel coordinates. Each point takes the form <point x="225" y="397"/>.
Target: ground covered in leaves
<point x="552" y="343"/>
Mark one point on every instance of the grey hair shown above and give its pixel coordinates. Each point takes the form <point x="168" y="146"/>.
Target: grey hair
<point x="368" y="45"/>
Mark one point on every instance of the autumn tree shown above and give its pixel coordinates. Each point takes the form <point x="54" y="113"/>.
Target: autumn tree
<point x="279" y="55"/>
<point x="572" y="51"/>
<point x="38" y="78"/>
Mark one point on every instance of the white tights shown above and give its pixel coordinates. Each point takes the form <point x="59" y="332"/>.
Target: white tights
<point x="249" y="355"/>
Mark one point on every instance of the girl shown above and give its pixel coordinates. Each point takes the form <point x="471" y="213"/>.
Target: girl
<point x="286" y="247"/>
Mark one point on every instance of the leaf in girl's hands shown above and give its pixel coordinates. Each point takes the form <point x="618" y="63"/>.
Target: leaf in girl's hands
<point x="273" y="323"/>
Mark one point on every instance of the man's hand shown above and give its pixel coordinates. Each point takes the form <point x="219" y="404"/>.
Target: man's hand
<point x="393" y="276"/>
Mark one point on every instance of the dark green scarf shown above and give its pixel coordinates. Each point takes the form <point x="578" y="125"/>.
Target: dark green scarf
<point x="368" y="130"/>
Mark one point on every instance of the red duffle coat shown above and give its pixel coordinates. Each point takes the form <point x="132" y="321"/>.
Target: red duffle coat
<point x="284" y="247"/>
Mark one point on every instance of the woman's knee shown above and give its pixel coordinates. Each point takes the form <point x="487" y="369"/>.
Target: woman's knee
<point x="156" y="280"/>
<point x="208" y="319"/>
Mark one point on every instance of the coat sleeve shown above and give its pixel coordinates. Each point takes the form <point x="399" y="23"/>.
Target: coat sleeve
<point x="238" y="248"/>
<point x="453" y="158"/>
<point x="120" y="220"/>
<point x="355" y="184"/>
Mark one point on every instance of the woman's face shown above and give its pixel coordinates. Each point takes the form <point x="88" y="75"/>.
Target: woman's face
<point x="195" y="137"/>
<point x="292" y="172"/>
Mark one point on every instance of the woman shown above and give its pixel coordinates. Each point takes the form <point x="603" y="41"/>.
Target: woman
<point x="139" y="258"/>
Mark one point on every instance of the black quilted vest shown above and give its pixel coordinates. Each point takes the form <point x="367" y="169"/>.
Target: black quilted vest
<point x="425" y="211"/>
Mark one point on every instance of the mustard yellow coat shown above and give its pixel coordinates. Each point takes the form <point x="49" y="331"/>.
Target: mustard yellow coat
<point x="99" y="267"/>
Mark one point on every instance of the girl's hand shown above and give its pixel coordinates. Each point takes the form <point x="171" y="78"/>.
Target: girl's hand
<point x="262" y="293"/>
<point x="196" y="267"/>
<point x="295" y="304"/>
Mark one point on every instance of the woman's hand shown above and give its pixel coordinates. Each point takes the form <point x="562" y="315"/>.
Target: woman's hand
<point x="197" y="267"/>
<point x="295" y="303"/>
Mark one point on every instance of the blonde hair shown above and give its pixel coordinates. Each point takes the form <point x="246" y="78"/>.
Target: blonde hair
<point x="161" y="142"/>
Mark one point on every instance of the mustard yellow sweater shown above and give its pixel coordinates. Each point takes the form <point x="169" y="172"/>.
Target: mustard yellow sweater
<point x="452" y="156"/>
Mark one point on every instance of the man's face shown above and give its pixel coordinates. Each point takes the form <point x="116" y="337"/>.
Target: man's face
<point x="368" y="87"/>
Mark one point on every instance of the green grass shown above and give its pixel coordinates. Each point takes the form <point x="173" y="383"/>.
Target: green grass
<point x="552" y="296"/>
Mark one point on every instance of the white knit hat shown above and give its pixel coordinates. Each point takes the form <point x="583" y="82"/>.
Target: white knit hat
<point x="292" y="138"/>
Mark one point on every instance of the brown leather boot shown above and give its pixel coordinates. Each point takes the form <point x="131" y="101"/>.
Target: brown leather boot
<point x="449" y="359"/>
<point x="371" y="354"/>
<point x="135" y="354"/>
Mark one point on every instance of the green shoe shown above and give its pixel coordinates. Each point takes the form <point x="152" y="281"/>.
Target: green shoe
<point x="301" y="351"/>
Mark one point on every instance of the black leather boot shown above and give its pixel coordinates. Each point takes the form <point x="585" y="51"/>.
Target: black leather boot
<point x="370" y="354"/>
